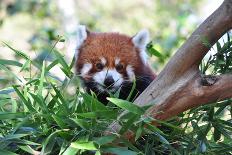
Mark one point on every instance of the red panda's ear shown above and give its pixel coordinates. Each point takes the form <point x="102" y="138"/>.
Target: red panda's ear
<point x="82" y="34"/>
<point x="140" y="40"/>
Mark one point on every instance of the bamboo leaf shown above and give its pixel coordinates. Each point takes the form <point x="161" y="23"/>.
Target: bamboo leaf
<point x="126" y="105"/>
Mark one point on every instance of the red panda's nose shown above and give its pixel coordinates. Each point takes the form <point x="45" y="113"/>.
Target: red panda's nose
<point x="109" y="81"/>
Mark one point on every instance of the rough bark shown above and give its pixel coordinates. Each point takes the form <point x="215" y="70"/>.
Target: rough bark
<point x="180" y="85"/>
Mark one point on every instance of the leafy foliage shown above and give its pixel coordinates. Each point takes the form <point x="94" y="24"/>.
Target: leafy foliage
<point x="221" y="60"/>
<point x="39" y="114"/>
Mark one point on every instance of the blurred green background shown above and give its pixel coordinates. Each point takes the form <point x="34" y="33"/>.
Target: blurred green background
<point x="42" y="29"/>
<point x="32" y="25"/>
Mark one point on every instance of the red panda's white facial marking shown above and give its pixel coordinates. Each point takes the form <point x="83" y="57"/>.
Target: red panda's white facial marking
<point x="85" y="69"/>
<point x="103" y="60"/>
<point x="109" y="79"/>
<point x="117" y="60"/>
<point x="130" y="72"/>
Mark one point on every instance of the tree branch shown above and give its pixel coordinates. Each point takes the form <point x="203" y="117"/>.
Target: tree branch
<point x="180" y="86"/>
<point x="189" y="56"/>
<point x="193" y="94"/>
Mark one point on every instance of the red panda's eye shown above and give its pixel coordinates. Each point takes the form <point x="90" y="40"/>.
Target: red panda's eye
<point x="99" y="66"/>
<point x="119" y="67"/>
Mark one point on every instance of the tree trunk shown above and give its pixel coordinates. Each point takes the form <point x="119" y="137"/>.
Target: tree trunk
<point x="180" y="85"/>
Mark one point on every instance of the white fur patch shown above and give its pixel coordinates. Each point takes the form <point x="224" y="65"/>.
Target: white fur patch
<point x="143" y="55"/>
<point x="130" y="72"/>
<point x="103" y="60"/>
<point x="140" y="40"/>
<point x="117" y="60"/>
<point x="85" y="69"/>
<point x="81" y="37"/>
<point x="99" y="77"/>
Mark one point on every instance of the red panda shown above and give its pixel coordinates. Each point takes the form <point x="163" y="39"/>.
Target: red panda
<point x="110" y="62"/>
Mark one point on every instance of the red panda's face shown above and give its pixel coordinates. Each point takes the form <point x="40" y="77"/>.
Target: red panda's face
<point x="106" y="74"/>
<point x="107" y="60"/>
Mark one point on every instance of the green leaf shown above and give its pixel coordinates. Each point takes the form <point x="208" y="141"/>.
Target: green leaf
<point x="70" y="151"/>
<point x="3" y="102"/>
<point x="25" y="101"/>
<point x="126" y="105"/>
<point x="222" y="130"/>
<point x="49" y="143"/>
<point x="14" y="106"/>
<point x="62" y="40"/>
<point x="7" y="90"/>
<point x="10" y="62"/>
<point x="110" y="114"/>
<point x="5" y="152"/>
<point x="139" y="132"/>
<point x="211" y="113"/>
<point x="216" y="134"/>
<point x="63" y="63"/>
<point x="225" y="47"/>
<point x="64" y="105"/>
<point x="128" y="123"/>
<point x="218" y="46"/>
<point x="168" y="124"/>
<point x="26" y="142"/>
<point x="85" y="145"/>
<point x="119" y="151"/>
<point x="154" y="128"/>
<point x="92" y="103"/>
<point x="227" y="123"/>
<point x="52" y="103"/>
<point x="72" y="62"/>
<point x="40" y="102"/>
<point x="154" y="52"/>
<point x="222" y="107"/>
<point x="131" y="91"/>
<point x="14" y="136"/>
<point x="162" y="139"/>
<point x="82" y="123"/>
<point x="25" y="65"/>
<point x="9" y="115"/>
<point x="59" y="121"/>
<point x="33" y="81"/>
<point x="19" y="53"/>
<point x="167" y="144"/>
<point x="105" y="139"/>
<point x="54" y="63"/>
<point x="98" y="153"/>
<point x="41" y="80"/>
<point x="28" y="149"/>
<point x="127" y="143"/>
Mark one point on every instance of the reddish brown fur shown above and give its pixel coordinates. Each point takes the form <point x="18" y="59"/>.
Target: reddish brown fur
<point x="109" y="46"/>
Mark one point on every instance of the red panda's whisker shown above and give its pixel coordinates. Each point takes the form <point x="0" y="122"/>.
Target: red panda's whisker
<point x="86" y="76"/>
<point x="106" y="74"/>
<point x="143" y="78"/>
